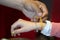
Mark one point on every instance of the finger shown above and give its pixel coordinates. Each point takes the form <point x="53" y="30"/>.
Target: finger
<point x="44" y="15"/>
<point x="14" y="34"/>
<point x="45" y="18"/>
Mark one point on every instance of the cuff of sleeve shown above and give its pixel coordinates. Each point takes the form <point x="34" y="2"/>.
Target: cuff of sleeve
<point x="47" y="29"/>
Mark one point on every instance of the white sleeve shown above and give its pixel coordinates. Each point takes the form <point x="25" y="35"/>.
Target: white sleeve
<point x="47" y="29"/>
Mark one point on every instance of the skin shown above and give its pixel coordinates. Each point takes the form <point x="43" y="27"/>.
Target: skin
<point x="31" y="9"/>
<point x="39" y="7"/>
<point x="25" y="28"/>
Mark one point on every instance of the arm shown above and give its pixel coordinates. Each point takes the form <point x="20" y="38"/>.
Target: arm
<point x="26" y="26"/>
<point x="48" y="29"/>
<point x="17" y="4"/>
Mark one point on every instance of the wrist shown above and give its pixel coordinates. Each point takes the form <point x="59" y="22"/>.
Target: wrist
<point x="42" y="25"/>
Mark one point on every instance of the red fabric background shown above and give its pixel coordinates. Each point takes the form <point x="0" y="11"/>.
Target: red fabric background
<point x="9" y="15"/>
<point x="55" y="15"/>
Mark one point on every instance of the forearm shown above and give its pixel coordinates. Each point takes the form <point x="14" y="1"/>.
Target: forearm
<point x="17" y="4"/>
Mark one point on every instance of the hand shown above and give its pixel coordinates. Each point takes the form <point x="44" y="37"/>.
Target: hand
<point x="15" y="25"/>
<point x="26" y="27"/>
<point x="44" y="11"/>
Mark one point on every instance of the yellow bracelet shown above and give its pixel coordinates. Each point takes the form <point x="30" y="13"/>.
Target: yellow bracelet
<point x="41" y="22"/>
